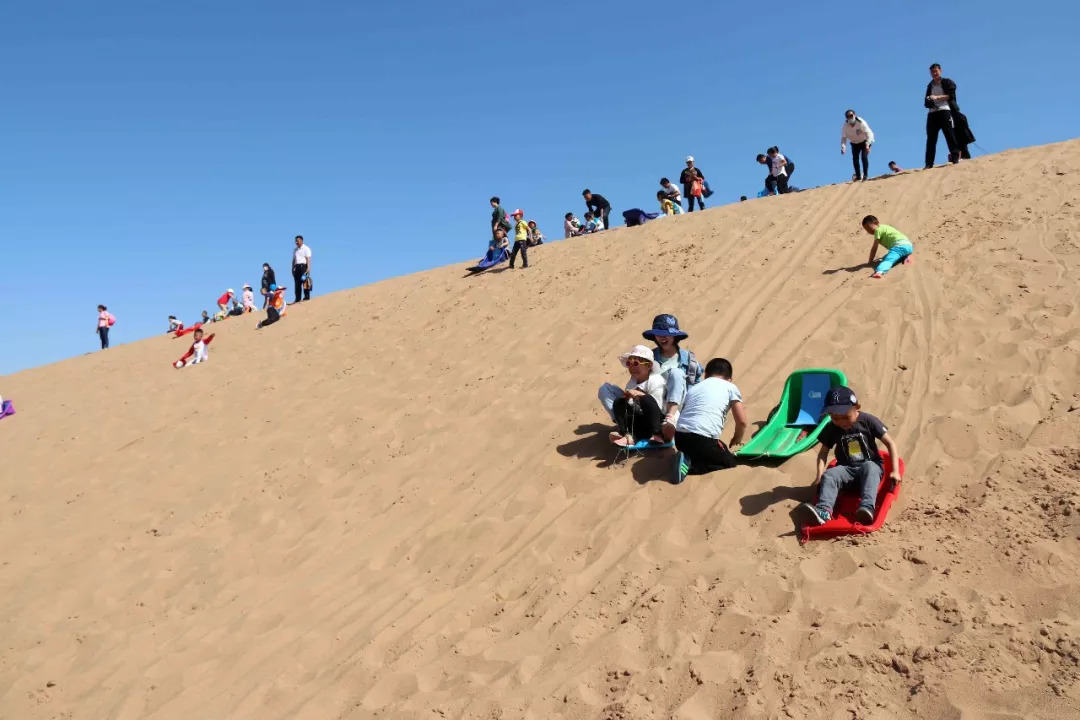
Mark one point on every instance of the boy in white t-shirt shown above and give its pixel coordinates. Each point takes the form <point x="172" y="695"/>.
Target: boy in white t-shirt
<point x="701" y="423"/>
<point x="636" y="409"/>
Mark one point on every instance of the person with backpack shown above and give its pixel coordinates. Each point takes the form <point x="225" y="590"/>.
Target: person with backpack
<point x="301" y="270"/>
<point x="857" y="131"/>
<point x="678" y="365"/>
<point x="105" y="321"/>
<point x="941" y="107"/>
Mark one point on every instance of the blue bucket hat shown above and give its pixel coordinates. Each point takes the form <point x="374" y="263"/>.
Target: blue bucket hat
<point x="273" y="287"/>
<point x="665" y="326"/>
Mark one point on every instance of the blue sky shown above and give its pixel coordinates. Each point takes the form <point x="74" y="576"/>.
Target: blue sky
<point x="157" y="153"/>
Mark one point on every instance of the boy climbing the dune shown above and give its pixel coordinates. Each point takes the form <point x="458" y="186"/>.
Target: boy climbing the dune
<point x="898" y="246"/>
<point x="854" y="435"/>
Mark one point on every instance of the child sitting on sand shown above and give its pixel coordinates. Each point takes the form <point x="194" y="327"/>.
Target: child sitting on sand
<point x="174" y="324"/>
<point x="854" y="434"/>
<point x="894" y="167"/>
<point x="205" y="318"/>
<point x="667" y="205"/>
<point x="636" y="410"/>
<point x="198" y="352"/>
<point x="535" y="236"/>
<point x="898" y="246"/>
<point x="592" y="224"/>
<point x="571" y="225"/>
<point x="701" y="423"/>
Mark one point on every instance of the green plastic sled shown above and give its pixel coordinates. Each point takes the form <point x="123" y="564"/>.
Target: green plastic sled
<point x="796" y="422"/>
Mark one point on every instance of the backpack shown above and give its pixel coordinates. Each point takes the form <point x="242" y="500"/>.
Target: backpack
<point x="688" y="362"/>
<point x="112" y="319"/>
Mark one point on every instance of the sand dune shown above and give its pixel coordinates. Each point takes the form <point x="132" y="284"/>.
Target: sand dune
<point x="399" y="503"/>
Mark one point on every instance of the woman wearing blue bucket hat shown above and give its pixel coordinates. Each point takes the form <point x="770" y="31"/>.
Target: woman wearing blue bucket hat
<point x="679" y="367"/>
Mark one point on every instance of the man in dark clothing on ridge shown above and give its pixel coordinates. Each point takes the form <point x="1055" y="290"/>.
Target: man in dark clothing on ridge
<point x="940" y="103"/>
<point x="598" y="206"/>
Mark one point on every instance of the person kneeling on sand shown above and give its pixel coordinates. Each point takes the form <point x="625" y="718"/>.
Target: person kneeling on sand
<point x="898" y="246"/>
<point x="636" y="409"/>
<point x="198" y="352"/>
<point x="854" y="434"/>
<point x="701" y="423"/>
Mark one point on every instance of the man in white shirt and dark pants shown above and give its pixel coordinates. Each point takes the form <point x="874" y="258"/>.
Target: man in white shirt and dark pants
<point x="301" y="269"/>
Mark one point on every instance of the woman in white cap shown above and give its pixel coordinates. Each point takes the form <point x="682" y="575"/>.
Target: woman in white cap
<point x="856" y="131"/>
<point x="693" y="182"/>
<point x="636" y="409"/>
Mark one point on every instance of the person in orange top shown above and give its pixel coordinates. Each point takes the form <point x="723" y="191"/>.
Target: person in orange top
<point x="276" y="307"/>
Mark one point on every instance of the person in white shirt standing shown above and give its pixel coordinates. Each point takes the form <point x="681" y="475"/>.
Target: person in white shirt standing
<point x="858" y="132"/>
<point x="301" y="269"/>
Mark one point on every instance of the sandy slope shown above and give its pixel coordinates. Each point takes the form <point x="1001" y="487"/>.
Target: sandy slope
<point x="398" y="502"/>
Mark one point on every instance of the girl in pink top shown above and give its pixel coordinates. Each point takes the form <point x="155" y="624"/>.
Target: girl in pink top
<point x="104" y="320"/>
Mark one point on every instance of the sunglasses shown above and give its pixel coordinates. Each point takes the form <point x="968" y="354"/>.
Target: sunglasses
<point x="637" y="362"/>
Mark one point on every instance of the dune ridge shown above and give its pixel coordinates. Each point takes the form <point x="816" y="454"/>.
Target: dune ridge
<point x="399" y="502"/>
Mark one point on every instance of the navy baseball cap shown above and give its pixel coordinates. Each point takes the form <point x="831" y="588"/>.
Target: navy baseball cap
<point x="839" y="400"/>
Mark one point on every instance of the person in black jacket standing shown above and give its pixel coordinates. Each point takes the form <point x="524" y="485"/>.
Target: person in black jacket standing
<point x="687" y="179"/>
<point x="940" y="104"/>
<point x="598" y="206"/>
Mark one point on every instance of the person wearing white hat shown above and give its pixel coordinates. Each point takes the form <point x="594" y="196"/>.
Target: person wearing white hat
<point x="636" y="409"/>
<point x="249" y="299"/>
<point x="223" y="302"/>
<point x="521" y="239"/>
<point x="693" y="182"/>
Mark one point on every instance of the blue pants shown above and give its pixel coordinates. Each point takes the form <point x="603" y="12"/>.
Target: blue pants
<point x="103" y="333"/>
<point x="867" y="476"/>
<point x="898" y="253"/>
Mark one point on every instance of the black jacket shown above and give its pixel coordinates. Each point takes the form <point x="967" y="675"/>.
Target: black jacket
<point x="949" y="87"/>
<point x="688" y="176"/>
<point x="268" y="278"/>
<point x="598" y="204"/>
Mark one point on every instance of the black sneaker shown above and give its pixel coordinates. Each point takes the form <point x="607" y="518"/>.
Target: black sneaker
<point x="680" y="468"/>
<point x="864" y="515"/>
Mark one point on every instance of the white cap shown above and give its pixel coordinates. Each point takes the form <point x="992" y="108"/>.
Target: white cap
<point x="230" y="291"/>
<point x="689" y="158"/>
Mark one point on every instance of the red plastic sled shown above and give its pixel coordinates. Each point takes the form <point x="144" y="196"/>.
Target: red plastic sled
<point x="184" y="331"/>
<point x="843" y="521"/>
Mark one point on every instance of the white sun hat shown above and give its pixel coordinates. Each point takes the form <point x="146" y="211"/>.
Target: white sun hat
<point x="638" y="351"/>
